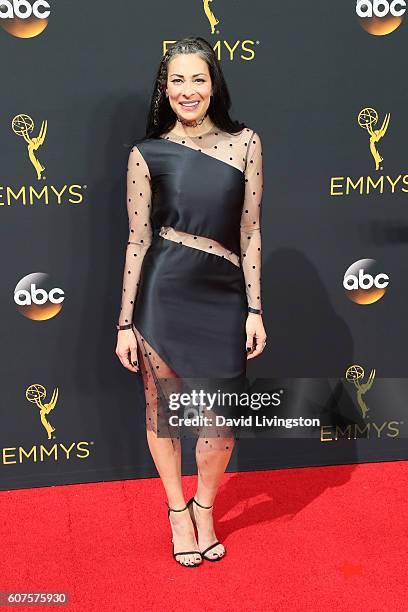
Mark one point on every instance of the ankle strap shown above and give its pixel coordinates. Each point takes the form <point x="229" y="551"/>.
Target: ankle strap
<point x="174" y="509"/>
<point x="205" y="507"/>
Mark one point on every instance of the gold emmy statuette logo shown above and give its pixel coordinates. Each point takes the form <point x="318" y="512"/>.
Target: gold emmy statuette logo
<point x="367" y="119"/>
<point x="35" y="394"/>
<point x="210" y="15"/>
<point x="22" y="125"/>
<point x="355" y="375"/>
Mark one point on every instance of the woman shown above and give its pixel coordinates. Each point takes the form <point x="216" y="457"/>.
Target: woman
<point x="193" y="260"/>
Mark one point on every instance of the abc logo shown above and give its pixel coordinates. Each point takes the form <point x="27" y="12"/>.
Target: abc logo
<point x="37" y="298"/>
<point x="23" y="9"/>
<point x="364" y="283"/>
<point x="380" y="17"/>
<point x="380" y="8"/>
<point x="24" y="19"/>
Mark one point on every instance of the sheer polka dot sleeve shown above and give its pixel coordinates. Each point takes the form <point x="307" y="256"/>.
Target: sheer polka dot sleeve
<point x="251" y="222"/>
<point x="140" y="231"/>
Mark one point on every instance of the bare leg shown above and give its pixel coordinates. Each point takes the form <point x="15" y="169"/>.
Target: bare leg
<point x="166" y="454"/>
<point x="211" y="466"/>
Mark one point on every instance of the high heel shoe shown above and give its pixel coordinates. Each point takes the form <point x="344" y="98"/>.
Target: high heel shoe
<point x="203" y="553"/>
<point x="189" y="552"/>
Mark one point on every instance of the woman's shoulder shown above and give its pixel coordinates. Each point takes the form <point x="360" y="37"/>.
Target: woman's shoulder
<point x="246" y="133"/>
<point x="146" y="145"/>
<point x="148" y="152"/>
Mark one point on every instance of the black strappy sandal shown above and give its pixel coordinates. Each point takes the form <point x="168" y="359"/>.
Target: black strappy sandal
<point x="189" y="552"/>
<point x="190" y="509"/>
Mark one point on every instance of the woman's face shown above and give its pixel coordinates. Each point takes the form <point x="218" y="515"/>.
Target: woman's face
<point x="189" y="86"/>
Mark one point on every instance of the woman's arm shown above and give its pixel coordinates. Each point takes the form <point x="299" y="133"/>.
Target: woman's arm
<point x="251" y="243"/>
<point x="251" y="222"/>
<point x="140" y="231"/>
<point x="138" y="201"/>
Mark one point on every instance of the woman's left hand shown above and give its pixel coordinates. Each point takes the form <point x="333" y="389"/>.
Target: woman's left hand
<point x="256" y="335"/>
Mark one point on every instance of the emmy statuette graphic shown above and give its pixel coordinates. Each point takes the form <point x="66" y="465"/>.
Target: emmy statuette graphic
<point x="355" y="375"/>
<point x="210" y="15"/>
<point x="23" y="125"/>
<point x="367" y="118"/>
<point x="36" y="393"/>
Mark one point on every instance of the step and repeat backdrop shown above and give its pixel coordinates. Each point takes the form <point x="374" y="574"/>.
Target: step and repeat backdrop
<point x="324" y="85"/>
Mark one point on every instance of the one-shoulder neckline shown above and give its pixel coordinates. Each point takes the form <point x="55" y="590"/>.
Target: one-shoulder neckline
<point x="213" y="158"/>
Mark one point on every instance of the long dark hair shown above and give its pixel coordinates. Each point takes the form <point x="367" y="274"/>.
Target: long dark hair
<point x="161" y="117"/>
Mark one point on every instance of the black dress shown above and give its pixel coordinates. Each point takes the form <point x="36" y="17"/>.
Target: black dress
<point x="193" y="259"/>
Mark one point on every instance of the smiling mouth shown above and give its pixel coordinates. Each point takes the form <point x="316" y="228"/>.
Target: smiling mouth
<point x="189" y="105"/>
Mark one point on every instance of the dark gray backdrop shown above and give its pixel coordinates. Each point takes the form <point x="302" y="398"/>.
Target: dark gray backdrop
<point x="90" y="75"/>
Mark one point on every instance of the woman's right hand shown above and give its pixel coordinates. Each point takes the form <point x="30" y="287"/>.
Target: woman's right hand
<point x="126" y="349"/>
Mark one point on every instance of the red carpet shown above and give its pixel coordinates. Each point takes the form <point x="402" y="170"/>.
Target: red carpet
<point x="318" y="539"/>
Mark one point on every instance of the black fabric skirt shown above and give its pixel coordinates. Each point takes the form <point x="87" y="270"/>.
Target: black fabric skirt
<point x="191" y="307"/>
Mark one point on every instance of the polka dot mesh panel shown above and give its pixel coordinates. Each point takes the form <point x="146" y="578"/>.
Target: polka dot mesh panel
<point x="158" y="380"/>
